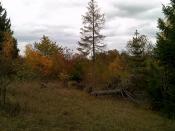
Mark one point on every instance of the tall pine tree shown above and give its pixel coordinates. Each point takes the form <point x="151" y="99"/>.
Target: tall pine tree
<point x="91" y="39"/>
<point x="165" y="52"/>
<point x="5" y="30"/>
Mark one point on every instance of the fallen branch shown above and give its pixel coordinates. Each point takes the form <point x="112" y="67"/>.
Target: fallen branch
<point x="122" y="92"/>
<point x="130" y="96"/>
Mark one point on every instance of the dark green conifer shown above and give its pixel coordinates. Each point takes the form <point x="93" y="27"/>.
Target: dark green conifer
<point x="5" y="27"/>
<point x="165" y="53"/>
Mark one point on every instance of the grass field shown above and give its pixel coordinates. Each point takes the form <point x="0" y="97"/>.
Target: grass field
<point x="62" y="109"/>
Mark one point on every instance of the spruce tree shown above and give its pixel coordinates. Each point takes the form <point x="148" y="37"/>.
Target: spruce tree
<point x="137" y="51"/>
<point x="91" y="38"/>
<point x="5" y="28"/>
<point x="165" y="53"/>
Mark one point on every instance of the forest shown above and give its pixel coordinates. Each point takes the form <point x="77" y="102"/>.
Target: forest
<point x="51" y="87"/>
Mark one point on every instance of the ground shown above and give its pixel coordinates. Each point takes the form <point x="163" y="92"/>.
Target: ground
<point x="66" y="109"/>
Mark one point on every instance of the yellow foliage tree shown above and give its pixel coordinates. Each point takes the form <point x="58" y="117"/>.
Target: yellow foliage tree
<point x="8" y="46"/>
<point x="38" y="62"/>
<point x="117" y="66"/>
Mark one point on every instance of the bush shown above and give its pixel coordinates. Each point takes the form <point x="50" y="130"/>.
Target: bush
<point x="80" y="68"/>
<point x="157" y="88"/>
<point x="154" y="85"/>
<point x="77" y="73"/>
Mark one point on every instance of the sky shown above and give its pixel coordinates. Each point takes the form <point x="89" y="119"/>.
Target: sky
<point x="61" y="20"/>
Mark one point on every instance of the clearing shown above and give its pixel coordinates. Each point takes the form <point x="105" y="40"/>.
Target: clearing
<point x="63" y="109"/>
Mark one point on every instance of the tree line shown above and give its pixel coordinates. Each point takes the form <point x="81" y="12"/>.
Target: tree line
<point x="142" y="68"/>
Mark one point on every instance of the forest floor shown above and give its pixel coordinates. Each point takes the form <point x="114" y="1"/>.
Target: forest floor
<point x="63" y="109"/>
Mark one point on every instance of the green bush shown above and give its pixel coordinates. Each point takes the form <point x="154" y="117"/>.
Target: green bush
<point x="77" y="73"/>
<point x="154" y="86"/>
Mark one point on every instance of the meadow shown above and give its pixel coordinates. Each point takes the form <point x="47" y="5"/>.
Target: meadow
<point x="68" y="109"/>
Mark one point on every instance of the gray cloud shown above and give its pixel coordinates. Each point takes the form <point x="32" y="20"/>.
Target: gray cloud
<point x="131" y="9"/>
<point x="138" y="10"/>
<point x="61" y="20"/>
<point x="63" y="35"/>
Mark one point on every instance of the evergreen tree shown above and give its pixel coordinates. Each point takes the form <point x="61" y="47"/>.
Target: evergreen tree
<point x="5" y="28"/>
<point x="165" y="52"/>
<point x="91" y="38"/>
<point x="137" y="52"/>
<point x="47" y="47"/>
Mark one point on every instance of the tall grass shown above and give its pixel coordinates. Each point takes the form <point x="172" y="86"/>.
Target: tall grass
<point x="63" y="109"/>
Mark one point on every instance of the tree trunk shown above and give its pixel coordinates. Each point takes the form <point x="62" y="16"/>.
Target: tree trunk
<point x="4" y="96"/>
<point x="93" y="36"/>
<point x="0" y="94"/>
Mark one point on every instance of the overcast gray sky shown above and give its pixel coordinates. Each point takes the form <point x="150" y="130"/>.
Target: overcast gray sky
<point x="61" y="20"/>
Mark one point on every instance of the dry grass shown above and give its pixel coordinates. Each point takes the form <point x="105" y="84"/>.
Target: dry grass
<point x="61" y="109"/>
